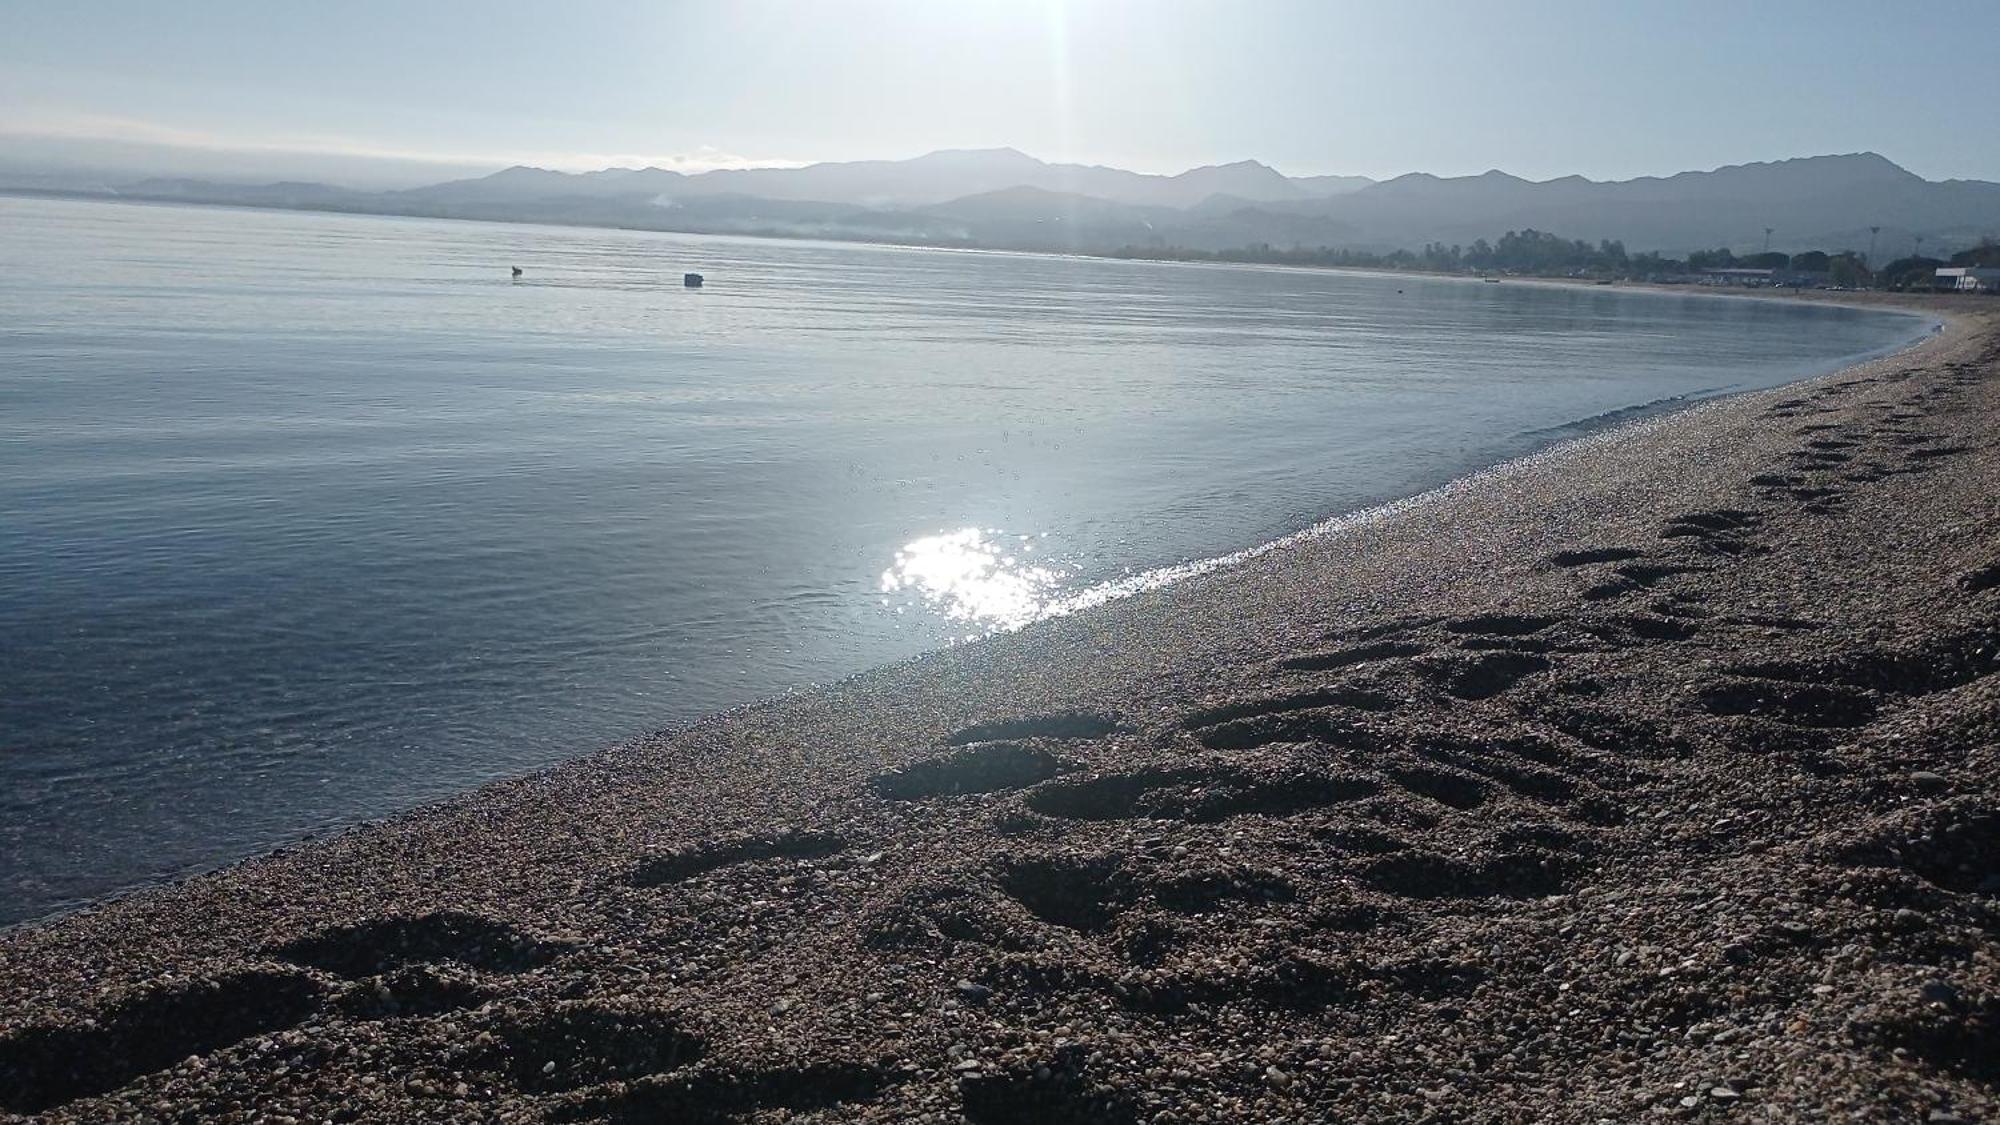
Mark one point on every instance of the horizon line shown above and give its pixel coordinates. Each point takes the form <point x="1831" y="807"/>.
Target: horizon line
<point x="709" y="159"/>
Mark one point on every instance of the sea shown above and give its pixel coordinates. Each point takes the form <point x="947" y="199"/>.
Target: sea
<point x="306" y="519"/>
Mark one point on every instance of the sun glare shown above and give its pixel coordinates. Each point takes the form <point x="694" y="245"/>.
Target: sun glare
<point x="974" y="575"/>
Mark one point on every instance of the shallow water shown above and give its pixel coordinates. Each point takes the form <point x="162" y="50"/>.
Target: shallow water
<point x="305" y="519"/>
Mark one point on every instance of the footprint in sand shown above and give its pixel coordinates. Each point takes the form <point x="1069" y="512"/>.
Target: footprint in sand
<point x="155" y="1027"/>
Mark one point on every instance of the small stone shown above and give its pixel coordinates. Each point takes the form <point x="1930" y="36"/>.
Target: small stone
<point x="549" y="1067"/>
<point x="1929" y="782"/>
<point x="1723" y="1094"/>
<point x="974" y="993"/>
<point x="1909" y="919"/>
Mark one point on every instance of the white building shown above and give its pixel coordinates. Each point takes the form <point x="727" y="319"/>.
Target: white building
<point x="1969" y="279"/>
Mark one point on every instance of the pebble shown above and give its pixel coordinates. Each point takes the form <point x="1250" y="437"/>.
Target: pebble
<point x="1500" y="1051"/>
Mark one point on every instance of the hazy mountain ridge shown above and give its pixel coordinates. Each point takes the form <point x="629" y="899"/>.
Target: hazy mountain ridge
<point x="1004" y="198"/>
<point x="935" y="178"/>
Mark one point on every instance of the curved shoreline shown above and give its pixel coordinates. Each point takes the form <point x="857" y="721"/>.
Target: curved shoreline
<point x="59" y="870"/>
<point x="1558" y="793"/>
<point x="1615" y="424"/>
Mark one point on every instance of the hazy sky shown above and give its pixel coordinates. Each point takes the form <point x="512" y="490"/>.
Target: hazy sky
<point x="1598" y="87"/>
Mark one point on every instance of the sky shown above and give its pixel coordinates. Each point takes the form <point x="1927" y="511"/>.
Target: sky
<point x="1540" y="88"/>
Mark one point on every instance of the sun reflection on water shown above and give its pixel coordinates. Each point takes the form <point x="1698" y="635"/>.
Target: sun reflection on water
<point x="979" y="576"/>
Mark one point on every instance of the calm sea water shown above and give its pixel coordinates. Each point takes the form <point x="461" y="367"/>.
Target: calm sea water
<point x="305" y="519"/>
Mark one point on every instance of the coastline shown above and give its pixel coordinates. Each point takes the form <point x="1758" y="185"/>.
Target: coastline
<point x="1856" y="297"/>
<point x="1555" y="775"/>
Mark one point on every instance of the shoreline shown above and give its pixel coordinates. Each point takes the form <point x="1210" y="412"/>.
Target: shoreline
<point x="1855" y="297"/>
<point x="1099" y="592"/>
<point x="43" y="874"/>
<point x="1231" y="833"/>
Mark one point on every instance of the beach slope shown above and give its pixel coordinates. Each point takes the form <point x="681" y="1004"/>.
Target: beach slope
<point x="1655" y="774"/>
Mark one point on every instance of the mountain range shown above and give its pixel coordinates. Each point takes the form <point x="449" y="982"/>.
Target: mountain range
<point x="1002" y="198"/>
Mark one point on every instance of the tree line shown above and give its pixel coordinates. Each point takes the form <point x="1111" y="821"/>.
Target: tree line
<point x="1539" y="253"/>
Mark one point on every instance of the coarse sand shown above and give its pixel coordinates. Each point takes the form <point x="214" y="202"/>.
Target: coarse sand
<point x="1651" y="776"/>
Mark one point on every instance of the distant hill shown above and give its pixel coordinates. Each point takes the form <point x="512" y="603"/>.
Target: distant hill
<point x="1005" y="198"/>
<point x="1821" y="201"/>
<point x="939" y="177"/>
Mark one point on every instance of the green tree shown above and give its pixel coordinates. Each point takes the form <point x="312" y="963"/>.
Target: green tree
<point x="1720" y="259"/>
<point x="1913" y="272"/>
<point x="1846" y="269"/>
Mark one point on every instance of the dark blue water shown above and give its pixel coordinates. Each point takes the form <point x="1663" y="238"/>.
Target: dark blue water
<point x="308" y="518"/>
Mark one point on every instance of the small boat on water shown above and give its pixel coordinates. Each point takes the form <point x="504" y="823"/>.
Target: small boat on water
<point x="691" y="280"/>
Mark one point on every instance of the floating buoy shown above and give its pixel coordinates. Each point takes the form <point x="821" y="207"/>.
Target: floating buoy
<point x="691" y="280"/>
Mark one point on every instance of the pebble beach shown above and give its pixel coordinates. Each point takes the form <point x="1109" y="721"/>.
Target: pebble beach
<point x="1656" y="775"/>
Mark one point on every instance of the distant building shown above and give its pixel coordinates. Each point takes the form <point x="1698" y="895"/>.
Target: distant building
<point x="1969" y="279"/>
<point x="1751" y="278"/>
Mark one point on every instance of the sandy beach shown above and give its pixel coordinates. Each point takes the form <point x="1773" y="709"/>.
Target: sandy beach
<point x="1654" y="775"/>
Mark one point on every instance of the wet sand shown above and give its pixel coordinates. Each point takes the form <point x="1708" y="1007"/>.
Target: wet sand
<point x="1653" y="775"/>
